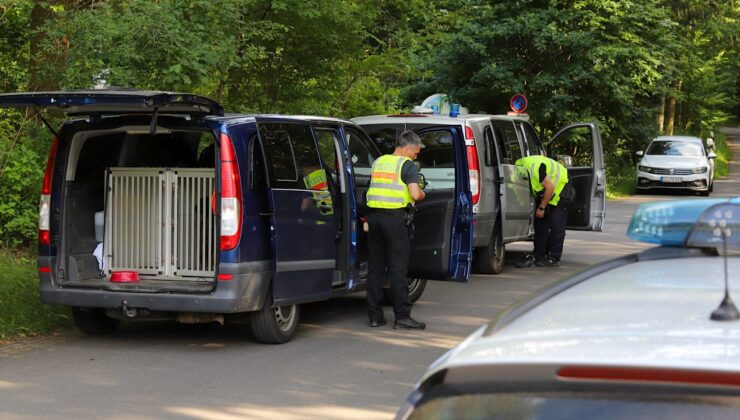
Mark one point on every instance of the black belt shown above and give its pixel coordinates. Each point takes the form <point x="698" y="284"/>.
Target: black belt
<point x="394" y="212"/>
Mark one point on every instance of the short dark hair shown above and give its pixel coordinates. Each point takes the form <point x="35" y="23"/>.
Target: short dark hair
<point x="409" y="138"/>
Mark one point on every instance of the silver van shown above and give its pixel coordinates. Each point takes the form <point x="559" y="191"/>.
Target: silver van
<point x="502" y="203"/>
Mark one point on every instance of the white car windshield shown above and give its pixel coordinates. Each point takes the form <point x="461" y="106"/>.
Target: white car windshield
<point x="675" y="148"/>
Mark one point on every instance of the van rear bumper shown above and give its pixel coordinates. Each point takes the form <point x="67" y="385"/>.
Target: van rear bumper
<point x="245" y="292"/>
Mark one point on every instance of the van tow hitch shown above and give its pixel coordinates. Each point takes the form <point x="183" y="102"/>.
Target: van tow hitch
<point x="128" y="312"/>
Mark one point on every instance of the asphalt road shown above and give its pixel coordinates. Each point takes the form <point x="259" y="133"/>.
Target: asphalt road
<point x="335" y="368"/>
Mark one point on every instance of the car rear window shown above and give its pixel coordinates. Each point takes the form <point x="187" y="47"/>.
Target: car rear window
<point x="572" y="405"/>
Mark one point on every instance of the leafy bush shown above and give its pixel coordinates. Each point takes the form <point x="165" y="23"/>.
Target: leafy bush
<point x="23" y="152"/>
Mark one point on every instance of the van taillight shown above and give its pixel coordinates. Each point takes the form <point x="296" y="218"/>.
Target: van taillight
<point x="45" y="203"/>
<point x="473" y="167"/>
<point x="231" y="195"/>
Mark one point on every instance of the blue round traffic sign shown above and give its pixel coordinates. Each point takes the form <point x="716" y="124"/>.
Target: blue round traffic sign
<point x="518" y="103"/>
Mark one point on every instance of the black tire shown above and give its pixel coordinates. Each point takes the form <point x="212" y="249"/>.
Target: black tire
<point x="274" y="325"/>
<point x="711" y="187"/>
<point x="490" y="258"/>
<point x="94" y="321"/>
<point x="416" y="289"/>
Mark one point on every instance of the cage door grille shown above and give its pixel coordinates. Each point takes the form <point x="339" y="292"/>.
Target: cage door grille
<point x="159" y="222"/>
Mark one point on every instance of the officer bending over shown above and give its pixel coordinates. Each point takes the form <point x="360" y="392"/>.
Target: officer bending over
<point x="394" y="188"/>
<point x="548" y="180"/>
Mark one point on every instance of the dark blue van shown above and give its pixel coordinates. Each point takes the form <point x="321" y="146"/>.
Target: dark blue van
<point x="157" y="205"/>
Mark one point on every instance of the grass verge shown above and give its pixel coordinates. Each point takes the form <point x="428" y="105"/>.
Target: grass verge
<point x="724" y="156"/>
<point x="620" y="182"/>
<point x="21" y="310"/>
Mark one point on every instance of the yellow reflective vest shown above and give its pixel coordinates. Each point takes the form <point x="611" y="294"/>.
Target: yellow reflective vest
<point x="317" y="182"/>
<point x="557" y="173"/>
<point x="387" y="189"/>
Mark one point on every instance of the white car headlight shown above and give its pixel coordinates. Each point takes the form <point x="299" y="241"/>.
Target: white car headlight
<point x="700" y="170"/>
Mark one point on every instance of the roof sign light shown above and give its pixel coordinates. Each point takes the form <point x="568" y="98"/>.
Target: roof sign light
<point x="717" y="226"/>
<point x="670" y="223"/>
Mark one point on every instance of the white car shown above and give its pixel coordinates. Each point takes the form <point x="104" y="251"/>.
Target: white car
<point x="641" y="336"/>
<point x="676" y="162"/>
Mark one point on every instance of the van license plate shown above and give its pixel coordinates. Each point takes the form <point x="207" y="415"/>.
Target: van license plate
<point x="671" y="179"/>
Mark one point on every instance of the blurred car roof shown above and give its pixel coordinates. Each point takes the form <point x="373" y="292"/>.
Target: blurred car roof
<point x="642" y="318"/>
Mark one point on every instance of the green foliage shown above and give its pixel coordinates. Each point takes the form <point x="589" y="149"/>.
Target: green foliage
<point x="21" y="310"/>
<point x="596" y="60"/>
<point x="724" y="156"/>
<point x="22" y="159"/>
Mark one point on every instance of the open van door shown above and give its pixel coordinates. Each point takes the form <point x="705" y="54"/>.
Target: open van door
<point x="443" y="240"/>
<point x="578" y="147"/>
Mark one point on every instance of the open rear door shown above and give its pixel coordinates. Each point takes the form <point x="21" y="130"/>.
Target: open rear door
<point x="578" y="147"/>
<point x="443" y="240"/>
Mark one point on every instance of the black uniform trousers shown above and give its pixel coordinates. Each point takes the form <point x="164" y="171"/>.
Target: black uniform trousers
<point x="389" y="247"/>
<point x="549" y="231"/>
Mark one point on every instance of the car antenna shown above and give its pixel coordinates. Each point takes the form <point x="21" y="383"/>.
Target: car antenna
<point x="727" y="311"/>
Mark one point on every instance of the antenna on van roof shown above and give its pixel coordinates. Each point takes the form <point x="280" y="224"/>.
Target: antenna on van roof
<point x="727" y="311"/>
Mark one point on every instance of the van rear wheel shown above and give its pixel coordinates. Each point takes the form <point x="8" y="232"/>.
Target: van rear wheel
<point x="416" y="289"/>
<point x="274" y="325"/>
<point x="490" y="258"/>
<point x="94" y="321"/>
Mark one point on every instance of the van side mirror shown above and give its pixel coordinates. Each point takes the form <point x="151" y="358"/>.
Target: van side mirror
<point x="639" y="153"/>
<point x="711" y="155"/>
<point x="565" y="160"/>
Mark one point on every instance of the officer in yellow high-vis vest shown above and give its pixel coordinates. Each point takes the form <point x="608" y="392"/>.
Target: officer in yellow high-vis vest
<point x="394" y="185"/>
<point x="548" y="180"/>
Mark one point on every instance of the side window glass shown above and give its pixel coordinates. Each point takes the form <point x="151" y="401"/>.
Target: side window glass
<point x="291" y="153"/>
<point x="360" y="153"/>
<point x="326" y="139"/>
<point x="384" y="136"/>
<point x="506" y="134"/>
<point x="533" y="142"/>
<point x="573" y="147"/>
<point x="491" y="157"/>
<point x="437" y="159"/>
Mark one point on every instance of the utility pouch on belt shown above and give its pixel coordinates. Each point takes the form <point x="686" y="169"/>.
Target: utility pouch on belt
<point x="409" y="219"/>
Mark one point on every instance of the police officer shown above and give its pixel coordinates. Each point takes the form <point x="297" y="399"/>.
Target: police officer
<point x="394" y="188"/>
<point x="548" y="181"/>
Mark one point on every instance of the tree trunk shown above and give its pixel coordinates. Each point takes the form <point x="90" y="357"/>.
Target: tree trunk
<point x="670" y="115"/>
<point x="36" y="81"/>
<point x="44" y="67"/>
<point x="660" y="115"/>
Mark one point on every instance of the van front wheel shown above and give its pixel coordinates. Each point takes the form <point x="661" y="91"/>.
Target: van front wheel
<point x="94" y="321"/>
<point x="274" y="325"/>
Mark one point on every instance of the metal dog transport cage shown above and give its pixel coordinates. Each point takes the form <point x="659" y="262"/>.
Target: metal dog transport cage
<point x="160" y="222"/>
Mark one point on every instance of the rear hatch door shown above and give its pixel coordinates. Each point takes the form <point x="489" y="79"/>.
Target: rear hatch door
<point x="88" y="102"/>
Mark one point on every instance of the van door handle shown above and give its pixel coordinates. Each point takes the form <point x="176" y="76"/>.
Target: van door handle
<point x="267" y="213"/>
